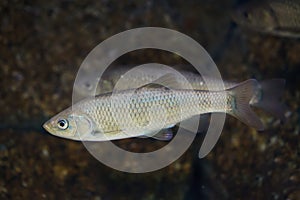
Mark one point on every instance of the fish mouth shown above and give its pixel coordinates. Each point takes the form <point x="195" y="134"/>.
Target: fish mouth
<point x="46" y="127"/>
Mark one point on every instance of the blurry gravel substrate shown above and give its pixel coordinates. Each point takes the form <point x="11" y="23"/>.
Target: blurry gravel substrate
<point x="43" y="44"/>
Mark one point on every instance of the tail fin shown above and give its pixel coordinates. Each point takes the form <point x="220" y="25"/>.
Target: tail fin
<point x="242" y="94"/>
<point x="268" y="97"/>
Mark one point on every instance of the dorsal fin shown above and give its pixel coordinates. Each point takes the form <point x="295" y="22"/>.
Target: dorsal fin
<point x="153" y="85"/>
<point x="168" y="81"/>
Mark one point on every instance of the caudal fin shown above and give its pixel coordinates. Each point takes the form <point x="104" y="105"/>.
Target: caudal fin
<point x="268" y="97"/>
<point x="242" y="94"/>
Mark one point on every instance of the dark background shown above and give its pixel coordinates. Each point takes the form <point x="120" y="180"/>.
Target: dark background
<point x="42" y="45"/>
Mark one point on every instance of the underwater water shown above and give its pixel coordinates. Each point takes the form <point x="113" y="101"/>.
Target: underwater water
<point x="44" y="43"/>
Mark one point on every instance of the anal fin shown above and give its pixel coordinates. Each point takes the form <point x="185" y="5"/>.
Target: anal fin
<point x="163" y="135"/>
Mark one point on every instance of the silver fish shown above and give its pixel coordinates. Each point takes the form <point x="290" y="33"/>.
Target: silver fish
<point x="266" y="97"/>
<point x="142" y="112"/>
<point x="277" y="17"/>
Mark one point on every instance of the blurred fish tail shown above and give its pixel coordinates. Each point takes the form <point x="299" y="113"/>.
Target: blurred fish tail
<point x="240" y="107"/>
<point x="268" y="97"/>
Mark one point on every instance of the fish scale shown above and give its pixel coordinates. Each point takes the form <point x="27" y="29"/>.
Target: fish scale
<point x="135" y="110"/>
<point x="146" y="110"/>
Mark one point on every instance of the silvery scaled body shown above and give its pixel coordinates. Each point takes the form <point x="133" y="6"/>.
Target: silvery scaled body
<point x="143" y="112"/>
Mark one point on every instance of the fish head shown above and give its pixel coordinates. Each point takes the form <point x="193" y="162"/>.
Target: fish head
<point x="70" y="125"/>
<point x="256" y="16"/>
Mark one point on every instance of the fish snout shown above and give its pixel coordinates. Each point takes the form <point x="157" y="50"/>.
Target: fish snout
<point x="46" y="126"/>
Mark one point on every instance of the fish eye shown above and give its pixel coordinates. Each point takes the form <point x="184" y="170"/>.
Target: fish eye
<point x="63" y="124"/>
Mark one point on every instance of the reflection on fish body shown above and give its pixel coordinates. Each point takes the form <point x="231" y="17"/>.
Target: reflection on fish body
<point x="277" y="17"/>
<point x="142" y="112"/>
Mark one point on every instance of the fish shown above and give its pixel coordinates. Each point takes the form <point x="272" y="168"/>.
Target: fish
<point x="275" y="17"/>
<point x="267" y="97"/>
<point x="145" y="111"/>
